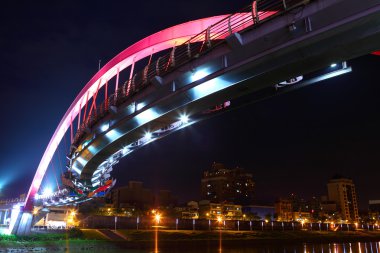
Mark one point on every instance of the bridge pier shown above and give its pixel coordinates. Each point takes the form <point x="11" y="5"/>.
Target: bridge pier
<point x="21" y="221"/>
<point x="4" y="213"/>
<point x="4" y="216"/>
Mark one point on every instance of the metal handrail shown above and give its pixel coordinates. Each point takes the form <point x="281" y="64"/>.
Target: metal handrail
<point x="249" y="17"/>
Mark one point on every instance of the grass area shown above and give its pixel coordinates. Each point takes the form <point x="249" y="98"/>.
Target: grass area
<point x="93" y="234"/>
<point x="69" y="234"/>
<point x="73" y="239"/>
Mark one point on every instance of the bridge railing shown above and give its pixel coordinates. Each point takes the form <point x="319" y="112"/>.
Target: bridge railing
<point x="12" y="201"/>
<point x="256" y="13"/>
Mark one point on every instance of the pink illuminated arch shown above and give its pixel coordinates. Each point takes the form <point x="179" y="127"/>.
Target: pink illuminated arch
<point x="157" y="42"/>
<point x="154" y="43"/>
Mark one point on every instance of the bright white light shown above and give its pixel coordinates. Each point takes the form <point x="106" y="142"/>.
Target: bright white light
<point x="81" y="161"/>
<point x="333" y="65"/>
<point x="104" y="127"/>
<point x="16" y="207"/>
<point x="125" y="150"/>
<point x="184" y="119"/>
<point x="147" y="115"/>
<point x="209" y="87"/>
<point x="139" y="106"/>
<point x="148" y="136"/>
<point x="199" y="74"/>
<point x="47" y="192"/>
<point x="76" y="169"/>
<point x="113" y="134"/>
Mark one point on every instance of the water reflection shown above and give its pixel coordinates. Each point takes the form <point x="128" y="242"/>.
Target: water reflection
<point x="225" y="247"/>
<point x="156" y="240"/>
<point x="220" y="241"/>
<point x="367" y="247"/>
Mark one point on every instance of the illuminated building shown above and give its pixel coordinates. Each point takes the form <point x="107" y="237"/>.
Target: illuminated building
<point x="57" y="217"/>
<point x="284" y="209"/>
<point x="227" y="185"/>
<point x="212" y="211"/>
<point x="342" y="191"/>
<point x="191" y="211"/>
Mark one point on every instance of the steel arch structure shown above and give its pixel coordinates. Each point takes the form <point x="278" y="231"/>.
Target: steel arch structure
<point x="154" y="43"/>
<point x="165" y="39"/>
<point x="157" y="42"/>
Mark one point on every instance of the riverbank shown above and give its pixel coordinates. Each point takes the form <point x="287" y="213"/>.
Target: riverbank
<point x="95" y="241"/>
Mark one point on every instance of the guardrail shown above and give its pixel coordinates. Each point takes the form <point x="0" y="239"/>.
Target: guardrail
<point x="249" y="17"/>
<point x="12" y="201"/>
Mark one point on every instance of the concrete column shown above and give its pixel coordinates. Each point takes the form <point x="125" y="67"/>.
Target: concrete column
<point x="25" y="224"/>
<point x="21" y="222"/>
<point x="6" y="214"/>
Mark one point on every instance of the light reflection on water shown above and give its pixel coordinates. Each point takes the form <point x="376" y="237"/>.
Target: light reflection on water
<point x="364" y="247"/>
<point x="224" y="247"/>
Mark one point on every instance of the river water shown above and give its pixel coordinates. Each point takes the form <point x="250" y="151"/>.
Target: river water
<point x="357" y="247"/>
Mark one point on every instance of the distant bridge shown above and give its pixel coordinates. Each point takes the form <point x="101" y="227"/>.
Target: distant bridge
<point x="193" y="70"/>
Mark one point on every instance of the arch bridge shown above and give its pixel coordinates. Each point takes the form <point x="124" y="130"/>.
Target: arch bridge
<point x="195" y="70"/>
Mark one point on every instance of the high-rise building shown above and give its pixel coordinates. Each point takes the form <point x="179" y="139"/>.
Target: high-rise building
<point x="342" y="191"/>
<point x="227" y="185"/>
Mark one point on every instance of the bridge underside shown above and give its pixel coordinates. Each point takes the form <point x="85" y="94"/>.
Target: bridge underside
<point x="302" y="41"/>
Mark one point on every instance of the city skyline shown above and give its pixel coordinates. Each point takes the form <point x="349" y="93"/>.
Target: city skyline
<point x="304" y="137"/>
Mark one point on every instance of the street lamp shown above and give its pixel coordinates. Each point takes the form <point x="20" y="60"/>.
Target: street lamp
<point x="157" y="218"/>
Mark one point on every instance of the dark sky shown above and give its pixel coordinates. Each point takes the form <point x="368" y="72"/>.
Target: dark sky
<point x="291" y="143"/>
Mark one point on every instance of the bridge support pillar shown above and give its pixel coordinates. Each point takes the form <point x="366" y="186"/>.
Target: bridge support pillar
<point x="4" y="217"/>
<point x="21" y="222"/>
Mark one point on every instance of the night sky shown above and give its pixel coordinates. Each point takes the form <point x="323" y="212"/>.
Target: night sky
<point x="293" y="143"/>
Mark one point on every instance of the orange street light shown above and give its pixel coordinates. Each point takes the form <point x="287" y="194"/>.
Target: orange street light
<point x="157" y="218"/>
